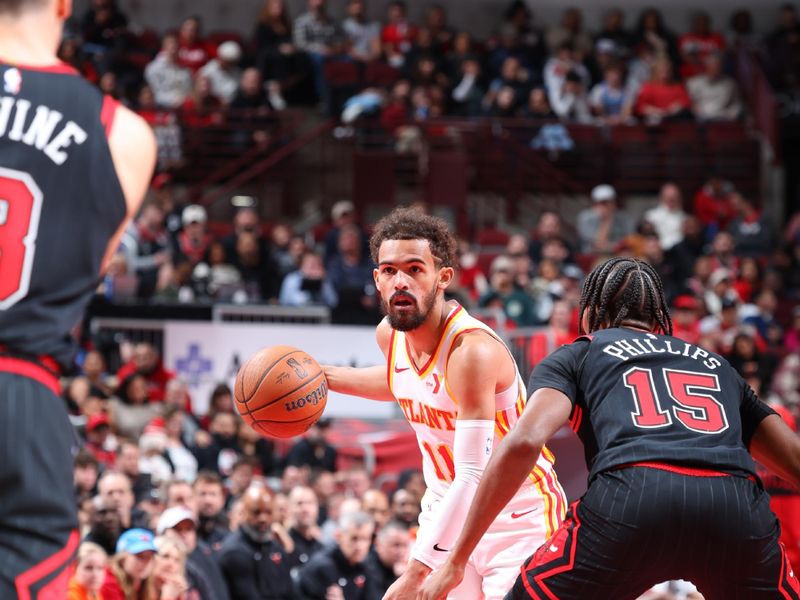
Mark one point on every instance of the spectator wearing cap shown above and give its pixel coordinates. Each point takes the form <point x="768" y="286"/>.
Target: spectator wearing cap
<point x="715" y="95"/>
<point x="212" y="521"/>
<point x="667" y="218"/>
<point x="685" y="318"/>
<point x="223" y="72"/>
<point x="719" y="289"/>
<point x="126" y="576"/>
<point x="193" y="241"/>
<point x="342" y="213"/>
<point x="388" y="557"/>
<point x="314" y="451"/>
<point x="254" y="564"/>
<point x="97" y="432"/>
<point x="203" y="574"/>
<point x="515" y="303"/>
<point x="170" y="82"/>
<point x="602" y="227"/>
<point x="340" y="571"/>
<point x="153" y="446"/>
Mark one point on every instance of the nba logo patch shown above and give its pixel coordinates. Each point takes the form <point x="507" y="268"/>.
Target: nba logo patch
<point x="12" y="81"/>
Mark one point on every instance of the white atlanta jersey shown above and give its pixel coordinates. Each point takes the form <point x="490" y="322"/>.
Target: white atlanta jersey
<point x="538" y="507"/>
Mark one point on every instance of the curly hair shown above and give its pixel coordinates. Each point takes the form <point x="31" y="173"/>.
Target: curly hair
<point x="621" y="289"/>
<point x="413" y="224"/>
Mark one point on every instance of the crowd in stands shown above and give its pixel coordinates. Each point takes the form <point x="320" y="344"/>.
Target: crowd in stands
<point x="176" y="505"/>
<point x="405" y="71"/>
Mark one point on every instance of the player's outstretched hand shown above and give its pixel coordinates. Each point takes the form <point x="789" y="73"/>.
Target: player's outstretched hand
<point x="440" y="582"/>
<point x="406" y="586"/>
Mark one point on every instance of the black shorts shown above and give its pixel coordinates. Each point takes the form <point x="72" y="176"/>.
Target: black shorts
<point x="638" y="526"/>
<point x="38" y="522"/>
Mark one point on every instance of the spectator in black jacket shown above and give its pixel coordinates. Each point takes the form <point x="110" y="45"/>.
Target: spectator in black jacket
<point x="213" y="524"/>
<point x="218" y="451"/>
<point x="339" y="571"/>
<point x="255" y="566"/>
<point x="202" y="570"/>
<point x="388" y="557"/>
<point x="105" y="525"/>
<point x="304" y="531"/>
<point x="314" y="450"/>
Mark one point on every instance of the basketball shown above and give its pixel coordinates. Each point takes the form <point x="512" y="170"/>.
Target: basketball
<point x="280" y="391"/>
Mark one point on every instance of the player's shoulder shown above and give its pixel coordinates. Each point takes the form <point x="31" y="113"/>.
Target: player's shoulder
<point x="477" y="348"/>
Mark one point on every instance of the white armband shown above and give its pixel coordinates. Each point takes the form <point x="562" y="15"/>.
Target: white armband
<point x="472" y="449"/>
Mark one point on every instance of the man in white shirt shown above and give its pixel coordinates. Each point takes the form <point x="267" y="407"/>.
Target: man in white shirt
<point x="667" y="218"/>
<point x="715" y="96"/>
<point x="170" y="82"/>
<point x="223" y="72"/>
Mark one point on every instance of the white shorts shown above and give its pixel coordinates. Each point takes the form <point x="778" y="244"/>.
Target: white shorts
<point x="518" y="531"/>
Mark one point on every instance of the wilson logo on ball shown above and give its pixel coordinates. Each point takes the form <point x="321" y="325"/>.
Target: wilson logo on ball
<point x="313" y="398"/>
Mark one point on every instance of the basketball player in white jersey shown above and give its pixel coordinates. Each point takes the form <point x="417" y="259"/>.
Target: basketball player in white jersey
<point x="459" y="388"/>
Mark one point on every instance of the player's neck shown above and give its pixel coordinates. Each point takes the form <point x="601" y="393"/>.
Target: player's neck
<point x="30" y="39"/>
<point x="424" y="339"/>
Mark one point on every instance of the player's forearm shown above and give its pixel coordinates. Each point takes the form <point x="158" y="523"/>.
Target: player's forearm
<point x="510" y="464"/>
<point x="366" y="382"/>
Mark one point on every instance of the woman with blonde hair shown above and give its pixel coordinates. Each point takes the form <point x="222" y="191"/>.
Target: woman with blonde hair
<point x="168" y="581"/>
<point x="90" y="570"/>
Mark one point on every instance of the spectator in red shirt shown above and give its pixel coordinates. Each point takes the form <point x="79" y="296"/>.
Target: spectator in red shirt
<point x="698" y="44"/>
<point x="398" y="35"/>
<point x="662" y="97"/>
<point x="193" y="51"/>
<point x="201" y="108"/>
<point x="713" y="204"/>
<point x="147" y="363"/>
<point x="686" y="318"/>
<point x="97" y="431"/>
<point x="562" y="330"/>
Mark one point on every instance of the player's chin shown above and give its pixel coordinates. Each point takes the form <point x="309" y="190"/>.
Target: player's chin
<point x="404" y="320"/>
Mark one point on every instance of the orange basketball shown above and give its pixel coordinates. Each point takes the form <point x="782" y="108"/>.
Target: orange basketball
<point x="280" y="391"/>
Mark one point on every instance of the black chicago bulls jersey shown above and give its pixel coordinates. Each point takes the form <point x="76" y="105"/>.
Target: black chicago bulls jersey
<point x="60" y="203"/>
<point x="640" y="397"/>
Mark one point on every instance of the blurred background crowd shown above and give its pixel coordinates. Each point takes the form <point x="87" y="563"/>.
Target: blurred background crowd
<point x="175" y="504"/>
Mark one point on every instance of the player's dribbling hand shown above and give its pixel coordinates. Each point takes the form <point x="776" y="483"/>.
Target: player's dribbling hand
<point x="408" y="584"/>
<point x="440" y="582"/>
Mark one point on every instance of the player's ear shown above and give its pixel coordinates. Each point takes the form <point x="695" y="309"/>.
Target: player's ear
<point x="446" y="275"/>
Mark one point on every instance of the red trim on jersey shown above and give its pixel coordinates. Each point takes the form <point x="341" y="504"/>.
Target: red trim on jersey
<point x="787" y="576"/>
<point x="108" y="112"/>
<point x="32" y="370"/>
<point x="536" y="561"/>
<point x="59" y="67"/>
<point x="576" y="418"/>
<point x="438" y="344"/>
<point x="691" y="471"/>
<point x="43" y="569"/>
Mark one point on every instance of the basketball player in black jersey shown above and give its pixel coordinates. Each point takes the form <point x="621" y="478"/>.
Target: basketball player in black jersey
<point x="74" y="167"/>
<point x="666" y="428"/>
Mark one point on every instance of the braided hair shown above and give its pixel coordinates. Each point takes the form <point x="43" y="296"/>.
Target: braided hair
<point x="624" y="289"/>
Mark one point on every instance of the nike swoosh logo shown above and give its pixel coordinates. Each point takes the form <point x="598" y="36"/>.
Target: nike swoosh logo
<point x="436" y="547"/>
<point x="516" y="515"/>
<point x="396" y="370"/>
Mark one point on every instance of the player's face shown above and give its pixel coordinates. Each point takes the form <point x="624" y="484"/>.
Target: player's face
<point x="409" y="282"/>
